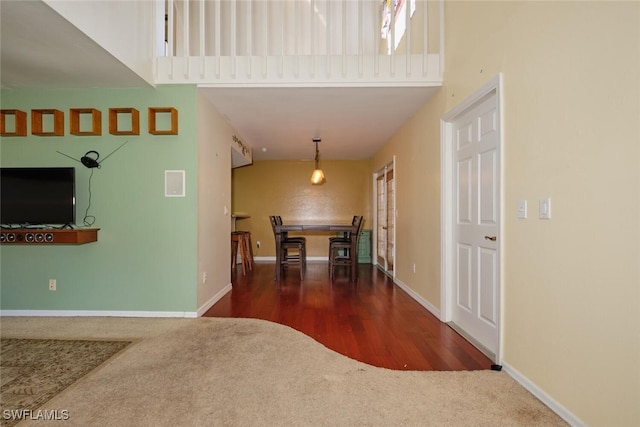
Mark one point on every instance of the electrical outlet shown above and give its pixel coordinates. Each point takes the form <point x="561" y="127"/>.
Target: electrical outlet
<point x="204" y="277"/>
<point x="52" y="284"/>
<point x="258" y="244"/>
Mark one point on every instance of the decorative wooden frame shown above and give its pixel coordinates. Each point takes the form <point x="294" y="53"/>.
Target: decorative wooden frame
<point x="96" y="121"/>
<point x="153" y="111"/>
<point x="20" y="119"/>
<point x="113" y="121"/>
<point x="36" y="122"/>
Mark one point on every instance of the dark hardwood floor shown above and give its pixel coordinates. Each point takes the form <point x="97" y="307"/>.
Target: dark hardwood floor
<point x="372" y="321"/>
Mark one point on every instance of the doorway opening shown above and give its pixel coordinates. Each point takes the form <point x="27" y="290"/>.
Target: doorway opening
<point x="384" y="218"/>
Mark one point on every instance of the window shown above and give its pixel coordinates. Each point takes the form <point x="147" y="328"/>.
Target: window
<point x="400" y="25"/>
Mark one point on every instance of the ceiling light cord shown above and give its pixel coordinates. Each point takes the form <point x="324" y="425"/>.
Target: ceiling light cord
<point x="317" y="154"/>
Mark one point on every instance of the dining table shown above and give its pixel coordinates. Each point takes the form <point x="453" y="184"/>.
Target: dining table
<point x="316" y="227"/>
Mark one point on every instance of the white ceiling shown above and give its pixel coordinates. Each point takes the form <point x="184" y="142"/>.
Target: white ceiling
<point x="280" y="123"/>
<point x="40" y="49"/>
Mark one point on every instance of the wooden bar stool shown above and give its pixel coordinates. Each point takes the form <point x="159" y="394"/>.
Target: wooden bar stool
<point x="248" y="248"/>
<point x="239" y="242"/>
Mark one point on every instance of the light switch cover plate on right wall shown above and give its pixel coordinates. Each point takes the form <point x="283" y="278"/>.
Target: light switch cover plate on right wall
<point x="544" y="206"/>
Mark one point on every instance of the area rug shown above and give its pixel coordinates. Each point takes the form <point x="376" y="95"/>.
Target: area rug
<point x="32" y="371"/>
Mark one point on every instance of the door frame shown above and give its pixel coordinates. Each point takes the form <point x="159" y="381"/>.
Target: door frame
<point x="374" y="233"/>
<point x="447" y="171"/>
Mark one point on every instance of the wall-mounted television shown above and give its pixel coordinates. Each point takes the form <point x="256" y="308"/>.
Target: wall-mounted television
<point x="37" y="196"/>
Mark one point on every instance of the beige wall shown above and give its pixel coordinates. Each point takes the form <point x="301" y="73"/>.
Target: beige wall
<point x="572" y="107"/>
<point x="416" y="147"/>
<point x="214" y="194"/>
<point x="284" y="188"/>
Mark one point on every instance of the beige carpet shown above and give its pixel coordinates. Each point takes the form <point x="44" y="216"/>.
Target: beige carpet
<point x="245" y="372"/>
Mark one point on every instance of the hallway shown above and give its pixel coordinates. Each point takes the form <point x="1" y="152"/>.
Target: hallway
<point x="373" y="321"/>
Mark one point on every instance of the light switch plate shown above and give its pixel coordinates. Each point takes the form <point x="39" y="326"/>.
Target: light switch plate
<point x="544" y="206"/>
<point x="522" y="209"/>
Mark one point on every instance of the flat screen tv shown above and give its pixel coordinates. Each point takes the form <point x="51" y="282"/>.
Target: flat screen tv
<point x="37" y="196"/>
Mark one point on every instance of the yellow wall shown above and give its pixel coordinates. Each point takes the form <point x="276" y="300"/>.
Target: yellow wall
<point x="416" y="147"/>
<point x="284" y="188"/>
<point x="572" y="109"/>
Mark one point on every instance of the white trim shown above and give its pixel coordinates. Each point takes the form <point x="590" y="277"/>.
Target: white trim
<point x="374" y="228"/>
<point x="214" y="299"/>
<point x="96" y="313"/>
<point x="446" y="200"/>
<point x="441" y="52"/>
<point x="423" y="302"/>
<point x="395" y="214"/>
<point x="494" y="84"/>
<point x="99" y="313"/>
<point x="111" y="313"/>
<point x="556" y="407"/>
<point x="551" y="403"/>
<point x="446" y="222"/>
<point x="374" y="232"/>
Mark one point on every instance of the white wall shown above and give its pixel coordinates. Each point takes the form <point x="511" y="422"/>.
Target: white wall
<point x="123" y="28"/>
<point x="214" y="202"/>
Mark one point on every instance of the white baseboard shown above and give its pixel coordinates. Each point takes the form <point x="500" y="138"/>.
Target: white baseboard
<point x="564" y="413"/>
<point x="423" y="302"/>
<point x="207" y="305"/>
<point x="96" y="313"/>
<point x="551" y="403"/>
<point x="556" y="407"/>
<point x="112" y="313"/>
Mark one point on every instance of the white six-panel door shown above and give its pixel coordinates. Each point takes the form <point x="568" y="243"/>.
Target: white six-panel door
<point x="476" y="222"/>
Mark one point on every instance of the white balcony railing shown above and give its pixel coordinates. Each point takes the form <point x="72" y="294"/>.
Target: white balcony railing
<point x="298" y="42"/>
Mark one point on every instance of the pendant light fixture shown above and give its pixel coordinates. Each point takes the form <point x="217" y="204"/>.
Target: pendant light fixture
<point x="317" y="177"/>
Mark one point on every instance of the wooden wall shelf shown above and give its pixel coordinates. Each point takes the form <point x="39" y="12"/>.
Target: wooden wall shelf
<point x="154" y="111"/>
<point x="37" y="126"/>
<point x="19" y="120"/>
<point x="113" y="121"/>
<point x="42" y="236"/>
<point x="76" y="115"/>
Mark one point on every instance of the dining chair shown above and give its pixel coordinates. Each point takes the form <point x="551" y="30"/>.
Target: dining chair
<point x="340" y="248"/>
<point x="285" y="235"/>
<point x="288" y="244"/>
<point x="357" y="220"/>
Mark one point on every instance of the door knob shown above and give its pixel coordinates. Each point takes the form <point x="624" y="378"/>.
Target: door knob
<point x="492" y="238"/>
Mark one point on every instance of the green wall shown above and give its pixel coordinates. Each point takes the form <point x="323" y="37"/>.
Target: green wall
<point x="146" y="255"/>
